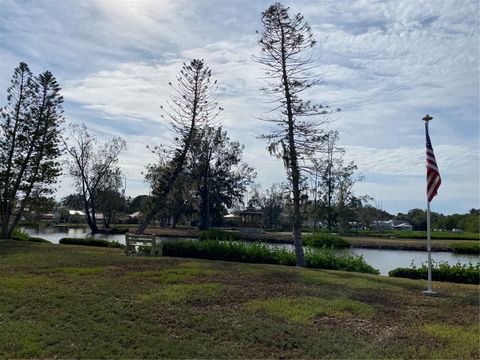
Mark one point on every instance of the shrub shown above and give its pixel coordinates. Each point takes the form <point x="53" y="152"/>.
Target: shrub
<point x="261" y="253"/>
<point x="467" y="274"/>
<point x="327" y="259"/>
<point x="21" y="235"/>
<point x="216" y="234"/>
<point x="466" y="248"/>
<point x="145" y="249"/>
<point x="321" y="239"/>
<point x="18" y="234"/>
<point x="38" y="239"/>
<point x="91" y="242"/>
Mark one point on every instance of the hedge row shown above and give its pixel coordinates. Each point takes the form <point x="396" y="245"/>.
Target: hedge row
<point x="261" y="253"/>
<point x="322" y="239"/>
<point x="467" y="274"/>
<point x="91" y="242"/>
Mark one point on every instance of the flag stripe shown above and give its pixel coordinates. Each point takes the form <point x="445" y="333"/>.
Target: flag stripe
<point x="433" y="174"/>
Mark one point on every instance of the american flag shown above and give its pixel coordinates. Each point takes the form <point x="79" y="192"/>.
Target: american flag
<point x="433" y="175"/>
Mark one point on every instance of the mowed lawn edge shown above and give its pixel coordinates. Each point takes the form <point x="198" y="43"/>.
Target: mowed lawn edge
<point x="73" y="301"/>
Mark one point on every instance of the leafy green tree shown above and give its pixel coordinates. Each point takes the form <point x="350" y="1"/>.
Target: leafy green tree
<point x="285" y="45"/>
<point x="139" y="203"/>
<point x="73" y="201"/>
<point x="220" y="175"/>
<point x="29" y="143"/>
<point x="272" y="203"/>
<point x="180" y="201"/>
<point x="110" y="201"/>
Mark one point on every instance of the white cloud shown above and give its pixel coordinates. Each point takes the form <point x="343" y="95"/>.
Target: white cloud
<point x="385" y="64"/>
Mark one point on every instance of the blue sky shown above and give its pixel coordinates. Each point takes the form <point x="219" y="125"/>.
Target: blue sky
<point x="385" y="63"/>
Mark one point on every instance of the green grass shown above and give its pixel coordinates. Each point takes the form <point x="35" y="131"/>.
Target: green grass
<point x="305" y="309"/>
<point x="87" y="302"/>
<point x="466" y="248"/>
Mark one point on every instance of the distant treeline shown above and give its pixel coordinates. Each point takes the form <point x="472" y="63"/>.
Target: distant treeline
<point x="469" y="222"/>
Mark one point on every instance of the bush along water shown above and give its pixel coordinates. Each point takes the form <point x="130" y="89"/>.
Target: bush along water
<point x="91" y="242"/>
<point x="24" y="236"/>
<point x="322" y="239"/>
<point x="261" y="253"/>
<point x="442" y="271"/>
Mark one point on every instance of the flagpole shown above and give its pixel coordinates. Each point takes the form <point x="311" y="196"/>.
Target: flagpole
<point x="429" y="250"/>
<point x="429" y="290"/>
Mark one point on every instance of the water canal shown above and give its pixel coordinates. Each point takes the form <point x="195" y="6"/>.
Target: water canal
<point x="383" y="260"/>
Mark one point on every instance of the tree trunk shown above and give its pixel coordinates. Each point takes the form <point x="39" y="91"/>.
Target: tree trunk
<point x="6" y="234"/>
<point x="295" y="171"/>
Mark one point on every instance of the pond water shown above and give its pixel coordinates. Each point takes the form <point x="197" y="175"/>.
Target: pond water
<point x="386" y="260"/>
<point x="383" y="260"/>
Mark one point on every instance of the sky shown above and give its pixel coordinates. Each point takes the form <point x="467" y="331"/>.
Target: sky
<point x="384" y="63"/>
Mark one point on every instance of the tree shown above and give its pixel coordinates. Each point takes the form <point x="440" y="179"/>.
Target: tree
<point x="29" y="143"/>
<point x="139" y="203"/>
<point x="284" y="45"/>
<point x="110" y="201"/>
<point x="325" y="171"/>
<point x="192" y="107"/>
<point x="220" y="175"/>
<point x="73" y="202"/>
<point x="94" y="169"/>
<point x="272" y="203"/>
<point x="179" y="201"/>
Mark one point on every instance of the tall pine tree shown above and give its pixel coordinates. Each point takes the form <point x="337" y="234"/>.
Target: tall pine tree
<point x="297" y="135"/>
<point x="29" y="143"/>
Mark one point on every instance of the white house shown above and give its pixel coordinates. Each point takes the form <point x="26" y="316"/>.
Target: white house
<point x="391" y="225"/>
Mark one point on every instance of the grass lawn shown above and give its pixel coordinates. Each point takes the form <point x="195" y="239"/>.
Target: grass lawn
<point x="84" y="302"/>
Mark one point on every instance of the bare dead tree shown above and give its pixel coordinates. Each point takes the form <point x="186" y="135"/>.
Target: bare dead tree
<point x="94" y="168"/>
<point x="285" y="45"/>
<point x="192" y="106"/>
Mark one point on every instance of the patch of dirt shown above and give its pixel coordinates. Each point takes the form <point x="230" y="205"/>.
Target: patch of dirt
<point x="361" y="327"/>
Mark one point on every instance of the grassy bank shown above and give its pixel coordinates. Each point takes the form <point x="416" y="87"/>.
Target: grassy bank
<point x="407" y="244"/>
<point x="403" y="234"/>
<point x="85" y="302"/>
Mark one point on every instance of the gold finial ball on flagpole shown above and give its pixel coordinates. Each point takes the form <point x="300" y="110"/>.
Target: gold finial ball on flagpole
<point x="427" y="118"/>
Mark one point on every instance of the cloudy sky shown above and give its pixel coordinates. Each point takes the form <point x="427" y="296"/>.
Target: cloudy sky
<point x="384" y="63"/>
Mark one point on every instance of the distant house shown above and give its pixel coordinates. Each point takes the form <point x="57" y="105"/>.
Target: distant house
<point x="391" y="225"/>
<point x="354" y="225"/>
<point x="47" y="217"/>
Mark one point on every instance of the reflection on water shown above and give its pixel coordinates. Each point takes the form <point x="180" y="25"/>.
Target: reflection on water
<point x="55" y="233"/>
<point x="383" y="260"/>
